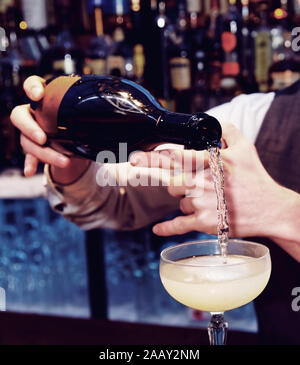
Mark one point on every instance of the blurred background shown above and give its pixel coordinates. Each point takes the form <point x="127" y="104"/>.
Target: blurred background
<point x="192" y="55"/>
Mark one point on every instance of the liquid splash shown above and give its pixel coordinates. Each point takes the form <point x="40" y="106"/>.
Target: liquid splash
<point x="217" y="172"/>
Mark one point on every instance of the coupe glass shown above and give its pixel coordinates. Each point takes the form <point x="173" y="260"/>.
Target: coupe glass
<point x="195" y="274"/>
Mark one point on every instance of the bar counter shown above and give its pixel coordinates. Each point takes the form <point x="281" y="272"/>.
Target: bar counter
<point x="21" y="329"/>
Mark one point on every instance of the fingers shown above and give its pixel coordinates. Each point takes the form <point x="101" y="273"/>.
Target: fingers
<point x="44" y="154"/>
<point x="191" y="205"/>
<point x="179" y="225"/>
<point x="186" y="160"/>
<point x="161" y="159"/>
<point x="231" y="134"/>
<point x="22" y="119"/>
<point x="192" y="184"/>
<point x="182" y="185"/>
<point x="177" y="191"/>
<point x="186" y="205"/>
<point x="237" y="147"/>
<point x="34" y="87"/>
<point x="30" y="165"/>
<point x="192" y="160"/>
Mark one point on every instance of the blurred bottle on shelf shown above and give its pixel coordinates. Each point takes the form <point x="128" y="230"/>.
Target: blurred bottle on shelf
<point x="120" y="59"/>
<point x="198" y="33"/>
<point x="118" y="24"/>
<point x="161" y="33"/>
<point x="295" y="10"/>
<point x="179" y="61"/>
<point x="11" y="155"/>
<point x="198" y="18"/>
<point x="140" y="27"/>
<point x="22" y="51"/>
<point x="231" y="46"/>
<point x="215" y="28"/>
<point x="149" y="47"/>
<point x="99" y="46"/>
<point x="137" y="11"/>
<point x="214" y="52"/>
<point x="192" y="54"/>
<point x="200" y="91"/>
<point x="262" y="46"/>
<point x="116" y="13"/>
<point x="247" y="46"/>
<point x="12" y="66"/>
<point x="281" y="38"/>
<point x="34" y="41"/>
<point x="64" y="57"/>
<point x="139" y="62"/>
<point x="204" y="30"/>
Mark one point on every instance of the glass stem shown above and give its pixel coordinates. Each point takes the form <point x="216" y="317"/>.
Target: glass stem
<point x="217" y="329"/>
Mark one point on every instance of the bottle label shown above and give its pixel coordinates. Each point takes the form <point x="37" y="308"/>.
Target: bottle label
<point x="180" y="69"/>
<point x="262" y="57"/>
<point x="116" y="62"/>
<point x="193" y="6"/>
<point x="97" y="66"/>
<point x="230" y="68"/>
<point x="118" y="7"/>
<point x="37" y="18"/>
<point x="67" y="65"/>
<point x="229" y="41"/>
<point x="224" y="6"/>
<point x="138" y="61"/>
<point x="4" y="4"/>
<point x="118" y="35"/>
<point x="296" y="4"/>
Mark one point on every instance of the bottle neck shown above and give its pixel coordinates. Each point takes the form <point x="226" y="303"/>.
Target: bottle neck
<point x="198" y="131"/>
<point x="171" y="126"/>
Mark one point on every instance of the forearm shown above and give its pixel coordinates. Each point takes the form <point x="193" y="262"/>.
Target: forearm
<point x="90" y="205"/>
<point x="285" y="229"/>
<point x="68" y="175"/>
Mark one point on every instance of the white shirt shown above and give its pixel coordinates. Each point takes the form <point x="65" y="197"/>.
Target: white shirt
<point x="246" y="112"/>
<point x="127" y="208"/>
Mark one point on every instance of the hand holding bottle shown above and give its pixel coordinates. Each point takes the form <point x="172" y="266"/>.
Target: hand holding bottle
<point x="257" y="205"/>
<point x="33" y="140"/>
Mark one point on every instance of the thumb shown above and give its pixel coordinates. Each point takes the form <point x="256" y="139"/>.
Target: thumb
<point x="34" y="87"/>
<point x="231" y="135"/>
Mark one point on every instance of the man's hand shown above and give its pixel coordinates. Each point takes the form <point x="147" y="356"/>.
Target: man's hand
<point x="33" y="138"/>
<point x="251" y="194"/>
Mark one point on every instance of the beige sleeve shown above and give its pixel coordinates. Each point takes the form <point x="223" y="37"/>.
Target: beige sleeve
<point x="121" y="207"/>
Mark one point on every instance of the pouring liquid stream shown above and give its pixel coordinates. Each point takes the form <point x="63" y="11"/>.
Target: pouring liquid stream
<point x="217" y="172"/>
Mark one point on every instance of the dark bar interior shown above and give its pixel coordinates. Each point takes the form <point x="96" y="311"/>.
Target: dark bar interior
<point x="96" y="281"/>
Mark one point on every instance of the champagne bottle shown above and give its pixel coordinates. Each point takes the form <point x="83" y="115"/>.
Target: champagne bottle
<point x="84" y="115"/>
